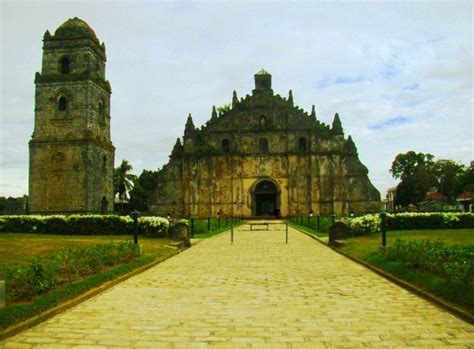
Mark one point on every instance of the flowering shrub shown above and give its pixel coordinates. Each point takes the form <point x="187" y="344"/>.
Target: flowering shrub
<point x="42" y="273"/>
<point x="456" y="263"/>
<point x="83" y="225"/>
<point x="153" y="226"/>
<point x="434" y="220"/>
<point x="365" y="225"/>
<point x="370" y="223"/>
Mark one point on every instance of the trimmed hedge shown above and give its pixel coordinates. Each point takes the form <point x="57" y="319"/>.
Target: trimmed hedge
<point x="435" y="220"/>
<point x="83" y="225"/>
<point x="370" y="224"/>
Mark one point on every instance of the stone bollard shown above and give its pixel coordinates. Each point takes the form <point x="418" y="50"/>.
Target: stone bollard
<point x="2" y="294"/>
<point x="337" y="231"/>
<point x="180" y="231"/>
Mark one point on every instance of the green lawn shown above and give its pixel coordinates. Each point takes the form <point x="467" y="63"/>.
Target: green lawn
<point x="204" y="228"/>
<point x="362" y="246"/>
<point x="366" y="248"/>
<point x="17" y="249"/>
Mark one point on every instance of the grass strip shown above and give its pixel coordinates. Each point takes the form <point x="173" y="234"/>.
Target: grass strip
<point x="215" y="232"/>
<point x="19" y="312"/>
<point x="311" y="231"/>
<point x="425" y="280"/>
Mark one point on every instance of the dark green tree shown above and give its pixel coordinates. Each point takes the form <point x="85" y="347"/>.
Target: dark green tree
<point x="123" y="180"/>
<point x="465" y="181"/>
<point x="143" y="187"/>
<point x="448" y="174"/>
<point x="417" y="177"/>
<point x="405" y="165"/>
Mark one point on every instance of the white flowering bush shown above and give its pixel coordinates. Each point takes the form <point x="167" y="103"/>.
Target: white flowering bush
<point x="153" y="226"/>
<point x="430" y="220"/>
<point x="364" y="225"/>
<point x="371" y="223"/>
<point x="83" y="225"/>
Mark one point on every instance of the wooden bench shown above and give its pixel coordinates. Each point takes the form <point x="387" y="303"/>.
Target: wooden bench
<point x="258" y="224"/>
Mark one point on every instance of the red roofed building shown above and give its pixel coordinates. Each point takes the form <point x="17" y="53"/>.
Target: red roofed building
<point x="435" y="196"/>
<point x="434" y="201"/>
<point x="465" y="200"/>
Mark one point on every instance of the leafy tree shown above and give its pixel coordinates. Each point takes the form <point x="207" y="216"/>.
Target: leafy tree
<point x="405" y="165"/>
<point x="448" y="174"/>
<point x="465" y="181"/>
<point x="412" y="189"/>
<point x="416" y="173"/>
<point x="123" y="180"/>
<point x="143" y="187"/>
<point x="419" y="173"/>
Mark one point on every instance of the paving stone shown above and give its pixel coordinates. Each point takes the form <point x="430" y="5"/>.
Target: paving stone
<point x="255" y="293"/>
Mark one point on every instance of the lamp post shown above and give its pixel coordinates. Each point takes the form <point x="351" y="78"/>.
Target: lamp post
<point x="383" y="220"/>
<point x="134" y="215"/>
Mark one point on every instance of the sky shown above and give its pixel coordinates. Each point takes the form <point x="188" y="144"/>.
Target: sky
<point x="400" y="74"/>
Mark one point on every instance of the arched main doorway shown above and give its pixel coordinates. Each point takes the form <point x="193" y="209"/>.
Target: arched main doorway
<point x="266" y="199"/>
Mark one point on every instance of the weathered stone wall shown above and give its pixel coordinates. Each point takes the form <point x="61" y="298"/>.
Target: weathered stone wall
<point x="314" y="167"/>
<point x="224" y="184"/>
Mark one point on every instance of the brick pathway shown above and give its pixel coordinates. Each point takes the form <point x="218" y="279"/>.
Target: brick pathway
<point x="255" y="293"/>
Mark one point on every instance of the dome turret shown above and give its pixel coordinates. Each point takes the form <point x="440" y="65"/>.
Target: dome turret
<point x="75" y="28"/>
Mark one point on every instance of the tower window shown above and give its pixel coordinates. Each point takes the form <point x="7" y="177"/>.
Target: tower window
<point x="104" y="162"/>
<point x="58" y="161"/>
<point x="225" y="145"/>
<point x="302" y="145"/>
<point x="101" y="111"/>
<point x="263" y="145"/>
<point x="62" y="103"/>
<point x="65" y="65"/>
<point x="263" y="120"/>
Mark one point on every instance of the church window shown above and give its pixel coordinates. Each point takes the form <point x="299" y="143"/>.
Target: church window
<point x="65" y="65"/>
<point x="62" y="103"/>
<point x="263" y="145"/>
<point x="104" y="162"/>
<point x="263" y="120"/>
<point x="225" y="145"/>
<point x="302" y="145"/>
<point x="101" y="110"/>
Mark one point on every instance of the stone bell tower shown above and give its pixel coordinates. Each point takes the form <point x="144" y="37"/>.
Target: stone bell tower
<point x="71" y="153"/>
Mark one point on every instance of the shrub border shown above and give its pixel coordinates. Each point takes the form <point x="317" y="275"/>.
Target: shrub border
<point x="35" y="320"/>
<point x="435" y="300"/>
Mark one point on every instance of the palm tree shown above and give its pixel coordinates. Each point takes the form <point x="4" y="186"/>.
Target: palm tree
<point x="123" y="180"/>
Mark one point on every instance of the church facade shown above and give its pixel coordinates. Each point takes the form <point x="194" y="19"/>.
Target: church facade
<point x="260" y="157"/>
<point x="71" y="153"/>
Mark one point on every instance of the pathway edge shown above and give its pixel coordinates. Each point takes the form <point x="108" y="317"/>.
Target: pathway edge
<point x="445" y="305"/>
<point x="33" y="321"/>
